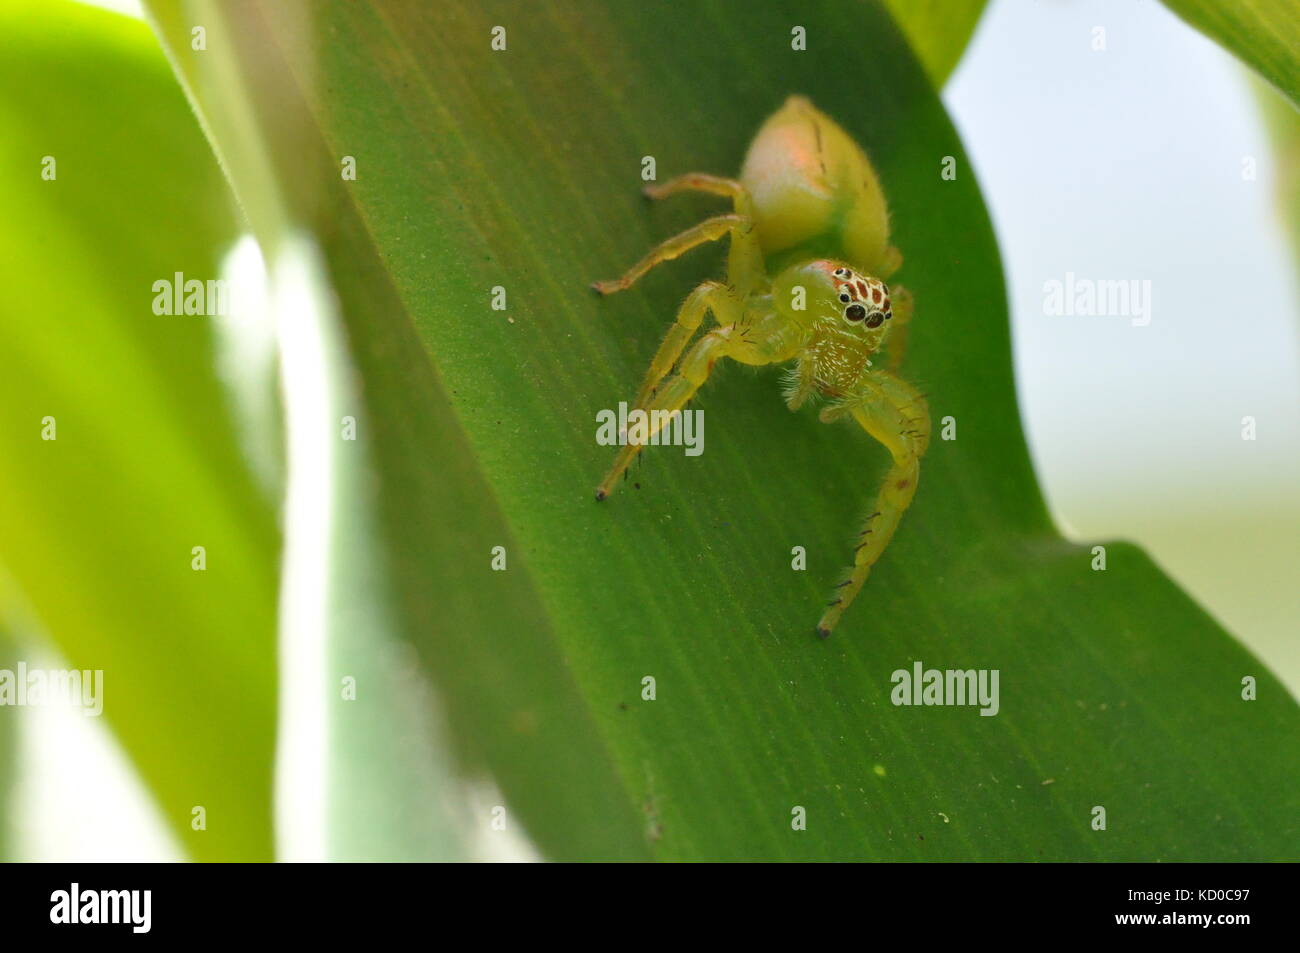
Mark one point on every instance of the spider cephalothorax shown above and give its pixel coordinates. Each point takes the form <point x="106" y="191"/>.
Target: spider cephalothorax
<point x="805" y="185"/>
<point x="845" y="317"/>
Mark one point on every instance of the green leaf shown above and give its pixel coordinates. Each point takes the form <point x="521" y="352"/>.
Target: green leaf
<point x="99" y="523"/>
<point x="1263" y="34"/>
<point x="1283" y="124"/>
<point x="939" y="31"/>
<point x="8" y="754"/>
<point x="511" y="700"/>
<point x="521" y="169"/>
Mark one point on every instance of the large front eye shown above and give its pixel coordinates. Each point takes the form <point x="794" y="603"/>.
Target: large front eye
<point x="855" y="312"/>
<point x="876" y="320"/>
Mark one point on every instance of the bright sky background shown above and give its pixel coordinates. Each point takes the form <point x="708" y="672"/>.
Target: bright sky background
<point x="1127" y="164"/>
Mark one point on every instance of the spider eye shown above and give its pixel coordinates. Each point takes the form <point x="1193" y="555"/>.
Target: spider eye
<point x="855" y="312"/>
<point x="845" y="298"/>
<point x="841" y="272"/>
<point x="876" y="319"/>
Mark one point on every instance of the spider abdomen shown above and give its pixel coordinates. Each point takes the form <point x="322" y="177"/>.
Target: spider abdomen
<point x="813" y="188"/>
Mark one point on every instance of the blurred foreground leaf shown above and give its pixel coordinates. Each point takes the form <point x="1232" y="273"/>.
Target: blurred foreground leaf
<point x="520" y="169"/>
<point x="8" y="756"/>
<point x="99" y="524"/>
<point x="1283" y="124"/>
<point x="938" y="30"/>
<point x="1263" y="34"/>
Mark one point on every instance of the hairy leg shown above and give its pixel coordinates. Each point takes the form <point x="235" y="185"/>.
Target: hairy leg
<point x="673" y="396"/>
<point x="745" y="266"/>
<point x="711" y="229"/>
<point x="702" y="182"/>
<point x="896" y="415"/>
<point x="709" y="296"/>
<point x="800" y="384"/>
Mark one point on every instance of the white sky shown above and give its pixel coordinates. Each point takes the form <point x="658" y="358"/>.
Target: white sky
<point x="1127" y="164"/>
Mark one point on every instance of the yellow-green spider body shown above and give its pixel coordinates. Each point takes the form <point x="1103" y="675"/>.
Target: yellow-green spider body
<point x="805" y="286"/>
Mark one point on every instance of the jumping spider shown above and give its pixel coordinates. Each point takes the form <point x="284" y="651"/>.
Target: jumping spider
<point x="806" y="190"/>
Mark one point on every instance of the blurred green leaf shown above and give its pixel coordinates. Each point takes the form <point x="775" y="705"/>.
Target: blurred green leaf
<point x="1283" y="124"/>
<point x="1263" y="34"/>
<point x="939" y="31"/>
<point x="99" y="524"/>
<point x="511" y="700"/>
<point x="521" y="169"/>
<point x="8" y="753"/>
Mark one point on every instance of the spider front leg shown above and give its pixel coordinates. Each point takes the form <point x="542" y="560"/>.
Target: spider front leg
<point x="709" y="230"/>
<point x="708" y="296"/>
<point x="672" y="397"/>
<point x="702" y="182"/>
<point x="745" y="260"/>
<point x="897" y="416"/>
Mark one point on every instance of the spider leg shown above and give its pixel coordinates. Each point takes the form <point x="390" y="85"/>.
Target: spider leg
<point x="896" y="415"/>
<point x="672" y="397"/>
<point x="702" y="182"/>
<point x="901" y="304"/>
<point x="800" y="384"/>
<point x="708" y="296"/>
<point x="745" y="266"/>
<point x="711" y="229"/>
